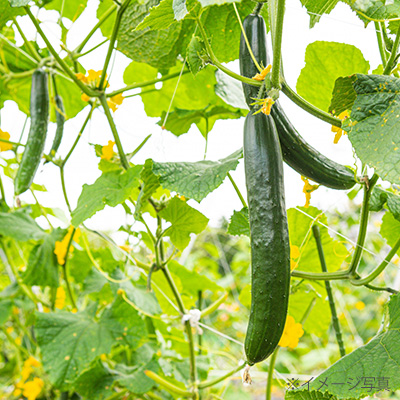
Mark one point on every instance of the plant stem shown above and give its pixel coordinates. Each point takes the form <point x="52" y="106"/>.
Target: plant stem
<point x="102" y="19"/>
<point x="213" y="382"/>
<point x="271" y="373"/>
<point x="66" y="277"/>
<point x="215" y="61"/>
<point x="122" y="156"/>
<point x="305" y="105"/>
<point x="212" y="307"/>
<point x="277" y="45"/>
<point x="64" y="189"/>
<point x="30" y="58"/>
<point x="382" y="50"/>
<point x="75" y="57"/>
<point x="237" y="190"/>
<point x="28" y="44"/>
<point x="13" y="143"/>
<point x="246" y="39"/>
<point x="378" y="270"/>
<point x="85" y="89"/>
<point x="362" y="233"/>
<point x="382" y="289"/>
<point x="167" y="385"/>
<point x="146" y="83"/>
<point x="335" y="320"/>
<point x="315" y="276"/>
<point x="113" y="39"/>
<point x="79" y="135"/>
<point x="3" y="194"/>
<point x="393" y="54"/>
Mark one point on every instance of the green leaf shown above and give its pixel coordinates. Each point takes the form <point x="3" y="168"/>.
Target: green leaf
<point x="20" y="226"/>
<point x="375" y="10"/>
<point x="313" y="395"/>
<point x="19" y="3"/>
<point x="195" y="180"/>
<point x="107" y="26"/>
<point x="5" y="310"/>
<point x="316" y="8"/>
<point x="335" y="59"/>
<point x="137" y="72"/>
<point x="374" y="127"/>
<point x="156" y="48"/>
<point x="112" y="188"/>
<point x="71" y="9"/>
<point x="69" y="342"/>
<point x="343" y="95"/>
<point x="7" y="12"/>
<point x="184" y="221"/>
<point x="195" y="55"/>
<point x="390" y="229"/>
<point x="380" y="196"/>
<point x="239" y="223"/>
<point x="380" y="357"/>
<point x="230" y="90"/>
<point x="42" y="268"/>
<point x="164" y="14"/>
<point x="245" y="296"/>
<point x="300" y="220"/>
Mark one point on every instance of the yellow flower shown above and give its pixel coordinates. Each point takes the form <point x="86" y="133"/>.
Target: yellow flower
<point x="107" y="151"/>
<point x="15" y="310"/>
<point x="307" y="190"/>
<point x="31" y="361"/>
<point x="60" y="298"/>
<point x="103" y="357"/>
<point x="33" y="388"/>
<point x="61" y="246"/>
<point x="267" y="104"/>
<point x="18" y="341"/>
<point x="46" y="309"/>
<point x="17" y="392"/>
<point x="294" y="253"/>
<point x="10" y="330"/>
<point x="93" y="77"/>
<point x="3" y="145"/>
<point x="339" y="131"/>
<point x="81" y="77"/>
<point x="291" y="333"/>
<point x="85" y="97"/>
<point x="261" y="76"/>
<point x="360" y="305"/>
<point x="115" y="101"/>
<point x="126" y="248"/>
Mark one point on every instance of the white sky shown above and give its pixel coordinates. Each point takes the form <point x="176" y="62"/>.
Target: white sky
<point x="133" y="125"/>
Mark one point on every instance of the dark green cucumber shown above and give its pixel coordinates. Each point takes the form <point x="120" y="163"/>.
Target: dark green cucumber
<point x="270" y="248"/>
<point x="297" y="153"/>
<point x="39" y="110"/>
<point x="60" y="120"/>
<point x="307" y="161"/>
<point x="254" y="26"/>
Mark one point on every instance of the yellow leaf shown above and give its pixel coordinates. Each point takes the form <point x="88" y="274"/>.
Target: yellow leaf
<point x="107" y="151"/>
<point x="3" y="145"/>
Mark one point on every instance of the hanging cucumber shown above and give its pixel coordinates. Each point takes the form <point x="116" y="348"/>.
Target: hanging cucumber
<point x="60" y="120"/>
<point x="307" y="161"/>
<point x="39" y="110"/>
<point x="254" y="27"/>
<point x="270" y="249"/>
<point x="297" y="153"/>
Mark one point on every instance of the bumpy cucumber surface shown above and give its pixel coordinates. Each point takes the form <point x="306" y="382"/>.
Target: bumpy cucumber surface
<point x="60" y="120"/>
<point x="307" y="161"/>
<point x="270" y="249"/>
<point x="39" y="110"/>
<point x="254" y="26"/>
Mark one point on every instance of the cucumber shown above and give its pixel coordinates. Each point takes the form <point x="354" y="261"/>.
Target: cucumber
<point x="306" y="160"/>
<point x="39" y="110"/>
<point x="270" y="248"/>
<point x="297" y="153"/>
<point x="254" y="26"/>
<point x="60" y="120"/>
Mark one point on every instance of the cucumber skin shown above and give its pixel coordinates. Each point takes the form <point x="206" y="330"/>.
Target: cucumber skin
<point x="254" y="26"/>
<point x="270" y="248"/>
<point x="39" y="110"/>
<point x="60" y="120"/>
<point x="306" y="160"/>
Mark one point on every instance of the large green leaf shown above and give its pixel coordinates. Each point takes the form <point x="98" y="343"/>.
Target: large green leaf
<point x="42" y="268"/>
<point x="112" y="188"/>
<point x="71" y="9"/>
<point x="20" y="226"/>
<point x="335" y="59"/>
<point x="316" y="8"/>
<point x="379" y="359"/>
<point x="375" y="10"/>
<point x="390" y="230"/>
<point x="239" y="223"/>
<point x="374" y="127"/>
<point x="7" y="12"/>
<point x="195" y="180"/>
<point x="69" y="342"/>
<point x="380" y="197"/>
<point x="184" y="221"/>
<point x="156" y="48"/>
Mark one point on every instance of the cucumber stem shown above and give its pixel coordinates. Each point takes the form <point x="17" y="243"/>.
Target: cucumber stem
<point x="271" y="373"/>
<point x="277" y="45"/>
<point x="213" y="382"/>
<point x="335" y="319"/>
<point x="382" y="50"/>
<point x="237" y="190"/>
<point x="393" y="54"/>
